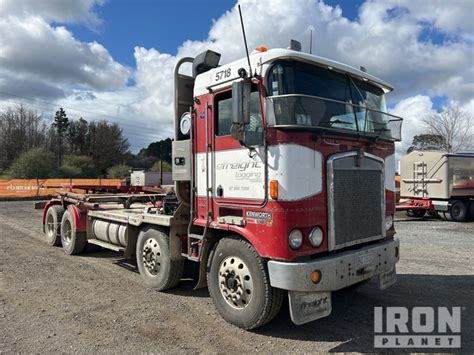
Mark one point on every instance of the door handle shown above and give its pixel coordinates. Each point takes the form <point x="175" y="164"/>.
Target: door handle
<point x="220" y="191"/>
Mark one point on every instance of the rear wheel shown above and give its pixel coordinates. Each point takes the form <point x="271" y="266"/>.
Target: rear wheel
<point x="458" y="211"/>
<point x="52" y="227"/>
<point x="154" y="260"/>
<point x="73" y="242"/>
<point x="239" y="285"/>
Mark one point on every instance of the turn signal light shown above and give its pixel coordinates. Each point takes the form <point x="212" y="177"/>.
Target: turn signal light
<point x="274" y="189"/>
<point x="316" y="276"/>
<point x="261" y="49"/>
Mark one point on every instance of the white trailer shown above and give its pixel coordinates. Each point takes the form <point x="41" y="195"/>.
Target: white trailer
<point x="446" y="180"/>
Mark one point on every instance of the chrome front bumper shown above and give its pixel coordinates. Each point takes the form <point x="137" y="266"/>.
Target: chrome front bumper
<point x="337" y="271"/>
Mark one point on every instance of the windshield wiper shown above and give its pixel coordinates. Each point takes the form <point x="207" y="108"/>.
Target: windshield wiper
<point x="337" y="121"/>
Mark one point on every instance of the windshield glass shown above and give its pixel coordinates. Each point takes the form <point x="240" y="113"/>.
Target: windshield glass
<point x="306" y="95"/>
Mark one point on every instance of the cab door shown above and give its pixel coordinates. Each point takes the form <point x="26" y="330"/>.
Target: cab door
<point x="238" y="173"/>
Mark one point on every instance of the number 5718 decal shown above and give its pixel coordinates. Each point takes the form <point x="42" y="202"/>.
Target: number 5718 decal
<point x="223" y="74"/>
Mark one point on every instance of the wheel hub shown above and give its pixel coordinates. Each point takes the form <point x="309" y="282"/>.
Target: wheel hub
<point x="151" y="256"/>
<point x="235" y="282"/>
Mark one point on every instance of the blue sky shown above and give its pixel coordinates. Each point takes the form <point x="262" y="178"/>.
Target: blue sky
<point x="113" y="59"/>
<point x="151" y="24"/>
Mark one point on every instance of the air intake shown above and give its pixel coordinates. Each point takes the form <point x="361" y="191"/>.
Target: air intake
<point x="295" y="45"/>
<point x="205" y="61"/>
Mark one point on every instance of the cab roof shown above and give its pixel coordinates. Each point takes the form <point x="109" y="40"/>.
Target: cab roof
<point x="221" y="77"/>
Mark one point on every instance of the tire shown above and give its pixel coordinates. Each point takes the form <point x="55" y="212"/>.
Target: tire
<point x="73" y="242"/>
<point x="458" y="211"/>
<point x="157" y="269"/>
<point x="52" y="225"/>
<point x="471" y="210"/>
<point x="236" y="266"/>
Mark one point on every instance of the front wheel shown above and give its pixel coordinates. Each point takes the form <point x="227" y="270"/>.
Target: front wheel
<point x="239" y="285"/>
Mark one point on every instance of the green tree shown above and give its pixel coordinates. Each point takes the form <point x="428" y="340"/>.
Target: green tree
<point x="427" y="142"/>
<point x="106" y="144"/>
<point x="119" y="171"/>
<point x="60" y="126"/>
<point x="160" y="149"/>
<point x="78" y="166"/>
<point x="37" y="163"/>
<point x="76" y="136"/>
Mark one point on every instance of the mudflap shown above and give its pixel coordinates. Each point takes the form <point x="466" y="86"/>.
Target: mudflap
<point x="387" y="279"/>
<point x="308" y="306"/>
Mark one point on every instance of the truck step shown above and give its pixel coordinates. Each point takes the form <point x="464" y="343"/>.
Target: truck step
<point x="105" y="245"/>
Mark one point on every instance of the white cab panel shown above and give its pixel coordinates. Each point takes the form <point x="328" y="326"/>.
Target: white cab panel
<point x="297" y="169"/>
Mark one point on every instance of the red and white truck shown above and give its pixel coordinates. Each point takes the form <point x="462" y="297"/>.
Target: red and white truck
<point x="283" y="170"/>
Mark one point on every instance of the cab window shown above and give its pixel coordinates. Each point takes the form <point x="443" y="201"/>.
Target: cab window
<point x="254" y="130"/>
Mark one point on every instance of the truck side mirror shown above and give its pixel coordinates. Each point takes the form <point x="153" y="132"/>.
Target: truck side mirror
<point x="241" y="102"/>
<point x="240" y="109"/>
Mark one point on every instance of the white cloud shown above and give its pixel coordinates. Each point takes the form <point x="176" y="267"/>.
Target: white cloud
<point x="387" y="38"/>
<point x="413" y="110"/>
<point x="62" y="11"/>
<point x="53" y="54"/>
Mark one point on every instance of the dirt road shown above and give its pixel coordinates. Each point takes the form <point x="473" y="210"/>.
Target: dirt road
<point x="51" y="302"/>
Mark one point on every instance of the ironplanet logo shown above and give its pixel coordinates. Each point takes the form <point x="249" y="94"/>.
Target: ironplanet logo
<point x="420" y="327"/>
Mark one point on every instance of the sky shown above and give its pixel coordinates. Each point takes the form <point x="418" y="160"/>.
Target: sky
<point x="114" y="59"/>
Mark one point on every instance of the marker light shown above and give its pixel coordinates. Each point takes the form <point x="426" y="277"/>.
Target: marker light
<point x="316" y="276"/>
<point x="274" y="189"/>
<point x="388" y="222"/>
<point x="261" y="49"/>
<point x="295" y="239"/>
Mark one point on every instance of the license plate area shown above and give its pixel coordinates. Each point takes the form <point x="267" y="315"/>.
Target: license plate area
<point x="387" y="279"/>
<point x="309" y="306"/>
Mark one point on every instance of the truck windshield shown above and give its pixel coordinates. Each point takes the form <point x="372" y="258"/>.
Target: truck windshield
<point x="304" y="95"/>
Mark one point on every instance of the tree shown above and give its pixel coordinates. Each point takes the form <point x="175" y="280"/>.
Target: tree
<point x="37" y="163"/>
<point x="106" y="144"/>
<point x="427" y="142"/>
<point x="160" y="149"/>
<point x="120" y="171"/>
<point x="78" y="166"/>
<point x="455" y="126"/>
<point x="60" y="126"/>
<point x="21" y="129"/>
<point x="76" y="136"/>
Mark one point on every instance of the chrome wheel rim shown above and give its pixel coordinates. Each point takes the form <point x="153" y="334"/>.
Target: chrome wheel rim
<point x="50" y="227"/>
<point x="151" y="257"/>
<point x="66" y="234"/>
<point x="235" y="282"/>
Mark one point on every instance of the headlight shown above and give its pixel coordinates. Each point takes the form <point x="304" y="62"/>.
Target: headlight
<point x="295" y="239"/>
<point x="316" y="237"/>
<point x="388" y="222"/>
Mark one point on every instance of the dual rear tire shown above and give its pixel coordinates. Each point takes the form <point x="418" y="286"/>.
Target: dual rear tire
<point x="60" y="230"/>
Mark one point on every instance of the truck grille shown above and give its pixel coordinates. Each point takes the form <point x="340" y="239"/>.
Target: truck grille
<point x="356" y="200"/>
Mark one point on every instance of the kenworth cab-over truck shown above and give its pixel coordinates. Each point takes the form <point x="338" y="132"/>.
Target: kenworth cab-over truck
<point x="283" y="169"/>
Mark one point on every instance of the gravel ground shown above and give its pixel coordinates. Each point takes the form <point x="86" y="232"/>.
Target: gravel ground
<point x="51" y="302"/>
